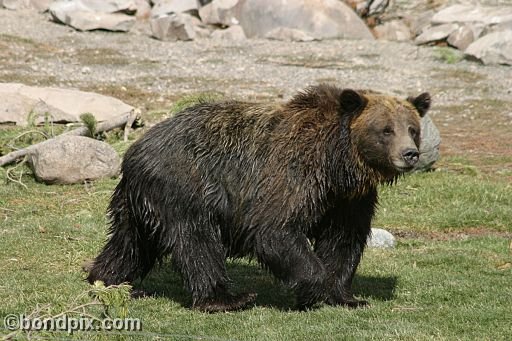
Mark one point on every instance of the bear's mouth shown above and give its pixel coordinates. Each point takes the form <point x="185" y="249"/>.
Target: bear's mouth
<point x="401" y="167"/>
<point x="404" y="169"/>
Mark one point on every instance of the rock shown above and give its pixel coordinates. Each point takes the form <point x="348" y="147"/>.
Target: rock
<point x="322" y="19"/>
<point x="80" y="16"/>
<point x="143" y="9"/>
<point x="163" y="7"/>
<point x="173" y="27"/>
<point x="393" y="30"/>
<point x="234" y="33"/>
<point x="419" y="23"/>
<point x="88" y="21"/>
<point x="377" y="7"/>
<point x="462" y="37"/>
<point x="289" y="34"/>
<point x="40" y="5"/>
<point x="381" y="238"/>
<point x="110" y="6"/>
<point x="470" y="13"/>
<point x="494" y="48"/>
<point x="14" y="4"/>
<point x="203" y="2"/>
<point x="220" y="12"/>
<point x="429" y="146"/>
<point x="73" y="159"/>
<point x="436" y="33"/>
<point x="17" y="101"/>
<point x="505" y="26"/>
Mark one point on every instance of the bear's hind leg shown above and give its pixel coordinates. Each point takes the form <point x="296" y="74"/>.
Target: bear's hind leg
<point x="289" y="256"/>
<point x="123" y="259"/>
<point x="126" y="256"/>
<point x="199" y="256"/>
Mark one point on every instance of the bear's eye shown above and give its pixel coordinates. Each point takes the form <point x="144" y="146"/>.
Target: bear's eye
<point x="387" y="131"/>
<point x="413" y="132"/>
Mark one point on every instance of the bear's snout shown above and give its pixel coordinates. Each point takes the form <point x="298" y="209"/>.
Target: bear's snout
<point x="411" y="156"/>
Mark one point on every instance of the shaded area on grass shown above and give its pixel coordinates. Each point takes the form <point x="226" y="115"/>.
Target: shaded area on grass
<point x="248" y="276"/>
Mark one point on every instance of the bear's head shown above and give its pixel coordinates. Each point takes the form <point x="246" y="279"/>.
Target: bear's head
<point x="385" y="130"/>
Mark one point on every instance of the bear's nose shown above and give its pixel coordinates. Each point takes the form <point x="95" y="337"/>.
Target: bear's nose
<point x="411" y="156"/>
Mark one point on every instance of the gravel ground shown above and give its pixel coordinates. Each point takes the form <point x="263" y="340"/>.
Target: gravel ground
<point x="468" y="98"/>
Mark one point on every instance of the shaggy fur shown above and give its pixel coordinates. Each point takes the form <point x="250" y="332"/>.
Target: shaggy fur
<point x="293" y="185"/>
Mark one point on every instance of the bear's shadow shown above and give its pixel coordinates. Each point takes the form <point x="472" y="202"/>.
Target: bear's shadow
<point x="250" y="277"/>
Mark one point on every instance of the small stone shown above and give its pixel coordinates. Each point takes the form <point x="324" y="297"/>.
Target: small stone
<point x="86" y="70"/>
<point x="380" y="238"/>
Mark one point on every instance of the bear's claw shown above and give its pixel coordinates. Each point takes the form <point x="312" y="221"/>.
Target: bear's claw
<point x="226" y="303"/>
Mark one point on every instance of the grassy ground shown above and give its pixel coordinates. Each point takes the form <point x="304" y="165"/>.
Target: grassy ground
<point x="449" y="277"/>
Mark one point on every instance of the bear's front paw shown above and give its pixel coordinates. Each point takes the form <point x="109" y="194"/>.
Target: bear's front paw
<point x="227" y="302"/>
<point x="141" y="293"/>
<point x="349" y="302"/>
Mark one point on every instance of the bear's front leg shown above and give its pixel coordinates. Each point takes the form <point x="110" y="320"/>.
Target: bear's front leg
<point x="341" y="261"/>
<point x="340" y="240"/>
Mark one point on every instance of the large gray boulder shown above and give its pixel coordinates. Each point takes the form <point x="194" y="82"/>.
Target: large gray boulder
<point x="494" y="48"/>
<point x="321" y="19"/>
<point x="18" y="101"/>
<point x="73" y="159"/>
<point x="429" y="147"/>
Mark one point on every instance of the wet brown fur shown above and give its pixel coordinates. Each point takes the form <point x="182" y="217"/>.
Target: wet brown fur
<point x="293" y="185"/>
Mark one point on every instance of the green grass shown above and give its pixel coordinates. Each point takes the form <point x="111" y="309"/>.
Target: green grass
<point x="447" y="200"/>
<point x="452" y="287"/>
<point x="448" y="55"/>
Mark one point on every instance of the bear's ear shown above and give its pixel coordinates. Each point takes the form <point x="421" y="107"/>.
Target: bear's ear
<point x="421" y="103"/>
<point x="352" y="102"/>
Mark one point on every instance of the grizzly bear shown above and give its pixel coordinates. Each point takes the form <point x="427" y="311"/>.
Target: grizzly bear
<point x="293" y="185"/>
